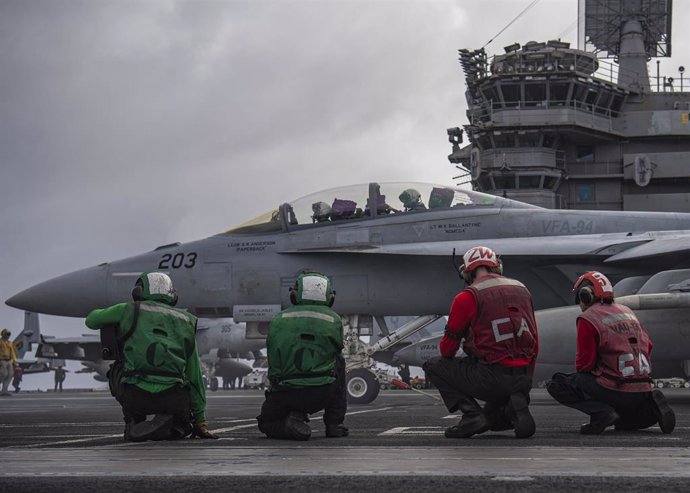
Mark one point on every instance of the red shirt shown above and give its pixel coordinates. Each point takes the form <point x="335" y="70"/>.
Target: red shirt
<point x="462" y="311"/>
<point x="588" y="346"/>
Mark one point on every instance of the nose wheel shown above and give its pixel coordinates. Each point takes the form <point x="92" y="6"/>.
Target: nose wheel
<point x="362" y="386"/>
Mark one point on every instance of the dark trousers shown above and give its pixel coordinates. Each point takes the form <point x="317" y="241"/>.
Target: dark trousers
<point x="462" y="380"/>
<point x="582" y="392"/>
<point x="137" y="404"/>
<point x="332" y="398"/>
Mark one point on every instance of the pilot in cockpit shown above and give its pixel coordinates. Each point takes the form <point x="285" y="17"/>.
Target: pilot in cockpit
<point x="322" y="212"/>
<point x="411" y="200"/>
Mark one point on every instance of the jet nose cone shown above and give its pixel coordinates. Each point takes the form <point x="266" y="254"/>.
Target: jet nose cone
<point x="71" y="295"/>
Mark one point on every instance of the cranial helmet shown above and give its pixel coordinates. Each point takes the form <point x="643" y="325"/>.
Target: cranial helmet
<point x="5" y="333"/>
<point x="312" y="288"/>
<point x="592" y="286"/>
<point x="155" y="286"/>
<point x="477" y="257"/>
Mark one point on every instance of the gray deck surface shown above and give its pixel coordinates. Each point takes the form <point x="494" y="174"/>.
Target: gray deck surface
<point x="73" y="442"/>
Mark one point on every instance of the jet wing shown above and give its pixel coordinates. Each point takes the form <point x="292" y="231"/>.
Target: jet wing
<point x="83" y="348"/>
<point x="676" y="243"/>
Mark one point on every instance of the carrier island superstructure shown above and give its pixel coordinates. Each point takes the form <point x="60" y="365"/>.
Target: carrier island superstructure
<point x="562" y="127"/>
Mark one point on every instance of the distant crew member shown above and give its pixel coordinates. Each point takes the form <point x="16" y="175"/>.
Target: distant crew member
<point x="60" y="374"/>
<point x="613" y="363"/>
<point x="306" y="368"/>
<point x="494" y="320"/>
<point x="159" y="372"/>
<point x="404" y="373"/>
<point x="8" y="360"/>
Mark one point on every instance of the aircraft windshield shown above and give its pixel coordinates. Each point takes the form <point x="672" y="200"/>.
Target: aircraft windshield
<point x="352" y="202"/>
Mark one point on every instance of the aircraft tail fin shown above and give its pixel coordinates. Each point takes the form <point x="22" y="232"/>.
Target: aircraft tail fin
<point x="30" y="334"/>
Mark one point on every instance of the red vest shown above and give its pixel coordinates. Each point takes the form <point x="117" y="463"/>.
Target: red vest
<point x="623" y="361"/>
<point x="504" y="326"/>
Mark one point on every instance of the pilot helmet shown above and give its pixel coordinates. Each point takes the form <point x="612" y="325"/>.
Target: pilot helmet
<point x="155" y="286"/>
<point x="410" y="198"/>
<point x="476" y="257"/>
<point x="5" y="333"/>
<point x="593" y="286"/>
<point x="312" y="288"/>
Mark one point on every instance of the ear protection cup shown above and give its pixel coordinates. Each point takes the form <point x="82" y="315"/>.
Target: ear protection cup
<point x="466" y="276"/>
<point x="138" y="293"/>
<point x="174" y="301"/>
<point x="293" y="295"/>
<point x="585" y="295"/>
<point x="332" y="300"/>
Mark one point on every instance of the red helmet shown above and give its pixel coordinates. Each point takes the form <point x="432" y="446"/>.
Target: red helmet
<point x="479" y="255"/>
<point x="600" y="284"/>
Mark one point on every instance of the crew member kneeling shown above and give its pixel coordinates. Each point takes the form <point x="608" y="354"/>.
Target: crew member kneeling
<point x="495" y="317"/>
<point x="613" y="362"/>
<point x="306" y="369"/>
<point x="158" y="371"/>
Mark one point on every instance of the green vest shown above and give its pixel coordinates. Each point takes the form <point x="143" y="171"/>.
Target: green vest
<point x="302" y="344"/>
<point x="159" y="347"/>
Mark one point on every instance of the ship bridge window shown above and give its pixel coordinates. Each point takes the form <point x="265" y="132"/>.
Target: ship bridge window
<point x="558" y="94"/>
<point x="585" y="193"/>
<point x="504" y="182"/>
<point x="584" y="153"/>
<point x="616" y="104"/>
<point x="490" y="93"/>
<point x="550" y="182"/>
<point x="529" y="181"/>
<point x="580" y="93"/>
<point x="511" y="94"/>
<point x="603" y="103"/>
<point x="535" y="94"/>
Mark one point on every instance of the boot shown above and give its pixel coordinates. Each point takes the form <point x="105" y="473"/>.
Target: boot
<point x="296" y="427"/>
<point x="337" y="431"/>
<point x="599" y="422"/>
<point x="500" y="418"/>
<point x="157" y="428"/>
<point x="470" y="424"/>
<point x="663" y="412"/>
<point x="522" y="419"/>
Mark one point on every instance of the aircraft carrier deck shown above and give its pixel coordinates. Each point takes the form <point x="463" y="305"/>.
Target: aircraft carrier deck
<point x="73" y="442"/>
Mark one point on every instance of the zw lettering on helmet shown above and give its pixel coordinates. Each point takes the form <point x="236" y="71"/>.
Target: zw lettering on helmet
<point x="480" y="253"/>
<point x="629" y="371"/>
<point x="508" y="335"/>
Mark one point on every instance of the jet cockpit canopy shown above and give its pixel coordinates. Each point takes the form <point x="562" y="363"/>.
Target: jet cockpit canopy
<point x="354" y="202"/>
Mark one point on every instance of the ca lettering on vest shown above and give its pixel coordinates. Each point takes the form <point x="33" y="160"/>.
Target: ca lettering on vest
<point x="508" y="335"/>
<point x="629" y="371"/>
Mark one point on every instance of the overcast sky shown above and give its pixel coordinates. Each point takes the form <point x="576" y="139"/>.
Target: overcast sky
<point x="128" y="125"/>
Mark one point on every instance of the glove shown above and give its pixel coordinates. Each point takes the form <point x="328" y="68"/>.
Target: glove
<point x="201" y="431"/>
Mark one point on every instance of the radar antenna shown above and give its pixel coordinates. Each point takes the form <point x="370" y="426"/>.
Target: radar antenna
<point x="630" y="31"/>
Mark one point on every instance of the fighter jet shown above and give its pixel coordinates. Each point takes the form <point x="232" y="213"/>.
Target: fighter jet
<point x="662" y="304"/>
<point x="221" y="343"/>
<point x="383" y="259"/>
<point x="23" y="343"/>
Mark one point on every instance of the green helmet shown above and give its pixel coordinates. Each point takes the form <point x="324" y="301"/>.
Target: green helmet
<point x="155" y="286"/>
<point x="312" y="288"/>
